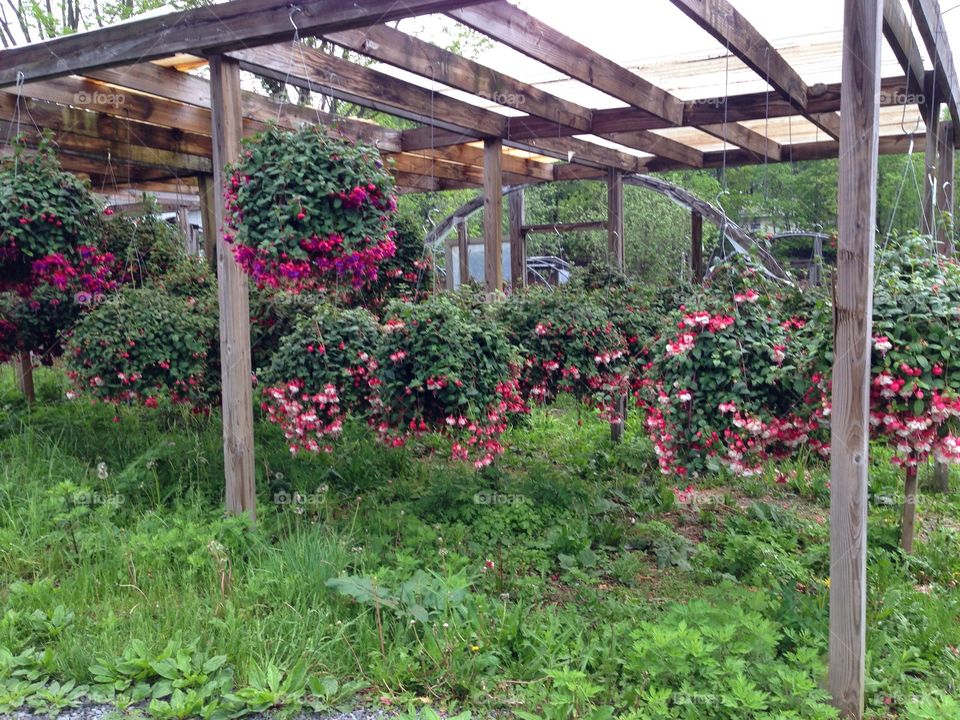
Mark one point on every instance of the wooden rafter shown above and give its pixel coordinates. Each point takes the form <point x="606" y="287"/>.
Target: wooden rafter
<point x="734" y="31"/>
<point x="934" y="35"/>
<point x="203" y="30"/>
<point x="315" y="70"/>
<point x="898" y="31"/>
<point x="660" y="145"/>
<point x="404" y="51"/>
<point x="745" y="138"/>
<point x="513" y="27"/>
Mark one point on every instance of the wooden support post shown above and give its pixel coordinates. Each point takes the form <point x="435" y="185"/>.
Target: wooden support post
<point x="615" y="218"/>
<point x="518" y="240"/>
<point x="463" y="244"/>
<point x="23" y="365"/>
<point x="183" y="224"/>
<point x="208" y="199"/>
<point x="909" y="517"/>
<point x="448" y="264"/>
<point x="816" y="270"/>
<point x="493" y="215"/>
<point x="616" y="255"/>
<point x="928" y="218"/>
<point x="853" y="318"/>
<point x="234" y="300"/>
<point x="696" y="246"/>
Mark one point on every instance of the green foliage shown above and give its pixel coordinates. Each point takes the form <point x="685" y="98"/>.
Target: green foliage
<point x="43" y="210"/>
<point x="144" y="343"/>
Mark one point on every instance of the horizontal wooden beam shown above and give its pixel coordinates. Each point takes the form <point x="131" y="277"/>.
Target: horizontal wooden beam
<point x="192" y="90"/>
<point x="473" y="155"/>
<point x="202" y="31"/>
<point x="934" y="34"/>
<point x="743" y="137"/>
<point x="734" y="31"/>
<point x="575" y="150"/>
<point x="315" y="70"/>
<point x="511" y="26"/>
<point x="898" y="31"/>
<point x="647" y="141"/>
<point x="409" y="53"/>
<point x="562" y="227"/>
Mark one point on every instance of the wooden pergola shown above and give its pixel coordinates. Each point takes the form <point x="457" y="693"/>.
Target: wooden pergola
<point x="127" y="114"/>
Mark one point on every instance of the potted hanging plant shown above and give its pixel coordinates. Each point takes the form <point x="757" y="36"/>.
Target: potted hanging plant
<point x="47" y="228"/>
<point x="307" y="211"/>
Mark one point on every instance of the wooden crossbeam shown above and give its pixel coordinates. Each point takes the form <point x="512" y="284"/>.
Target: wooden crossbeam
<point x="582" y="151"/>
<point x="422" y="58"/>
<point x="898" y="31"/>
<point x="564" y="227"/>
<point x="192" y="90"/>
<point x="201" y="31"/>
<point x="744" y="137"/>
<point x="316" y="70"/>
<point x="734" y="31"/>
<point x="934" y="35"/>
<point x="435" y="167"/>
<point x="511" y="26"/>
<point x="473" y="155"/>
<point x="659" y="145"/>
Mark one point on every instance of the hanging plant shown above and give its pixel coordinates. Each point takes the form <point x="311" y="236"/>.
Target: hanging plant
<point x="323" y="370"/>
<point x="39" y="323"/>
<point x="48" y="228"/>
<point x="143" y="343"/>
<point x="308" y="211"/>
<point x="569" y="344"/>
<point x="730" y="386"/>
<point x="445" y="369"/>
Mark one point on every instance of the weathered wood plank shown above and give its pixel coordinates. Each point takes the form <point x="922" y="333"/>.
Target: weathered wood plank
<point x="696" y="246"/>
<point x="201" y="31"/>
<point x="513" y="27"/>
<point x="733" y="30"/>
<point x="659" y="145"/>
<point x="934" y="35"/>
<point x="898" y="30"/>
<point x="422" y="58"/>
<point x="744" y="137"/>
<point x="315" y="70"/>
<point x="518" y="239"/>
<point x="233" y="295"/>
<point x="853" y="310"/>
<point x="493" y="215"/>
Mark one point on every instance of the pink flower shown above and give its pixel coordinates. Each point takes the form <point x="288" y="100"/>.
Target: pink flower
<point x="882" y="344"/>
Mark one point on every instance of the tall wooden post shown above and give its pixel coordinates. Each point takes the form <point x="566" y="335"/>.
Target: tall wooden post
<point x="234" y="301"/>
<point x="463" y="245"/>
<point x="23" y="366"/>
<point x="183" y="224"/>
<point x="696" y="246"/>
<point x="853" y="317"/>
<point x="615" y="218"/>
<point x="493" y="215"/>
<point x="616" y="255"/>
<point x="518" y="244"/>
<point x="944" y="235"/>
<point x="208" y="198"/>
<point x="448" y="264"/>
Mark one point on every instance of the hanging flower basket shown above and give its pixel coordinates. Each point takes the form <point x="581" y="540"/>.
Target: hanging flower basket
<point x="47" y="216"/>
<point x="307" y="211"/>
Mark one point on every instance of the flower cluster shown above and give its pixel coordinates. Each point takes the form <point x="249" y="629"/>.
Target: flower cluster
<point x="444" y="370"/>
<point x="322" y="370"/>
<point x="47" y="216"/>
<point x="569" y="344"/>
<point x="308" y="212"/>
<point x="914" y="392"/>
<point x="726" y="388"/>
<point x="140" y="344"/>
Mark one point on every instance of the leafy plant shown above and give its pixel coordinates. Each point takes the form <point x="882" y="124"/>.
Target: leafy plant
<point x="306" y="210"/>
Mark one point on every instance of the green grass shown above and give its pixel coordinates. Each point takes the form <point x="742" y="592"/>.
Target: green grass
<point x="605" y="598"/>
